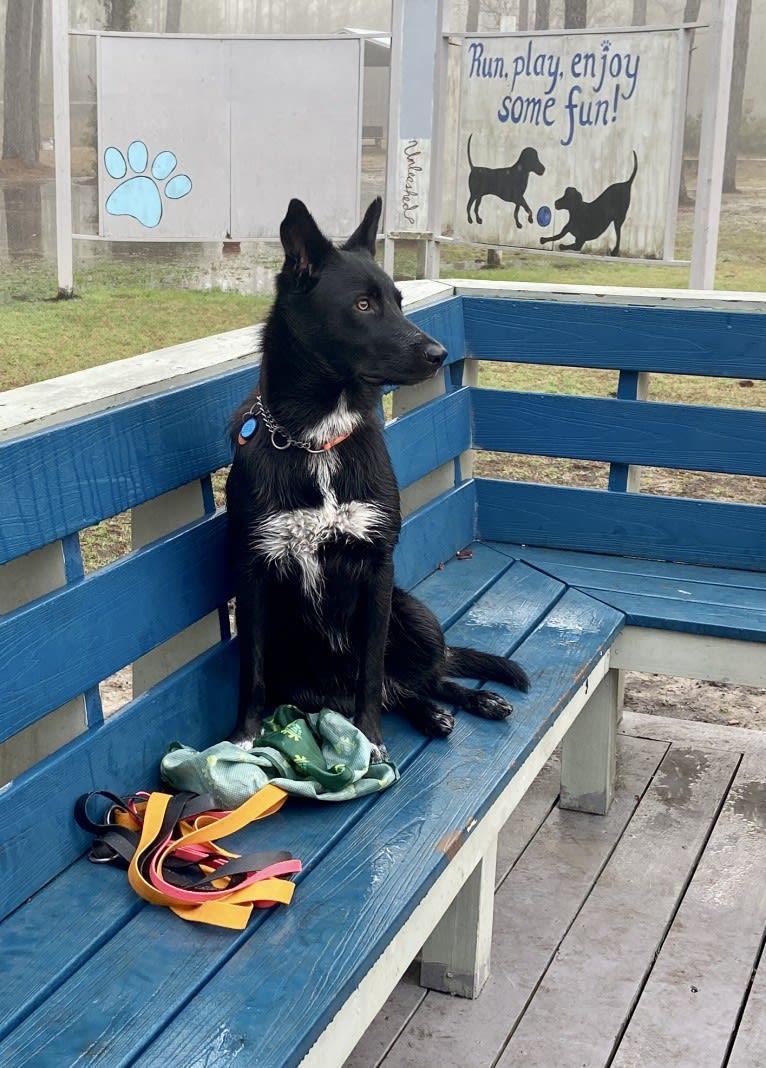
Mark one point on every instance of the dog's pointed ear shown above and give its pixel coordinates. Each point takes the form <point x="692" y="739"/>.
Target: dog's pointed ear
<point x="367" y="231"/>
<point x="306" y="247"/>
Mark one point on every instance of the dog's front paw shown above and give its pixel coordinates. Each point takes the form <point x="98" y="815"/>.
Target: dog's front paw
<point x="438" y="722"/>
<point x="378" y="754"/>
<point x="246" y="737"/>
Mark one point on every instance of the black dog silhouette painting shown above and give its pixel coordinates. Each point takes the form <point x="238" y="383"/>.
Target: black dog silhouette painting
<point x="507" y="183"/>
<point x="589" y="219"/>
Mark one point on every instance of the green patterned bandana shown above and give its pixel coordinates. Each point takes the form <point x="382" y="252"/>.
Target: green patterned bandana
<point x="317" y="755"/>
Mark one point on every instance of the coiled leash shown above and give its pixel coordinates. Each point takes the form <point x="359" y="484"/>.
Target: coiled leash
<point x="168" y="843"/>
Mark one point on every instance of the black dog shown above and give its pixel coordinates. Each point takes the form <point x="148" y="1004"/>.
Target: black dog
<point x="588" y="221"/>
<point x="508" y="183"/>
<point x="314" y="507"/>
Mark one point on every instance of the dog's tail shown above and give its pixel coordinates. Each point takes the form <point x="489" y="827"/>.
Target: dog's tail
<point x="635" y="168"/>
<point x="471" y="664"/>
<point x="468" y="147"/>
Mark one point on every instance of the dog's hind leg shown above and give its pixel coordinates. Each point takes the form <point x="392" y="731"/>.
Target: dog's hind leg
<point x="618" y="230"/>
<point x="482" y="703"/>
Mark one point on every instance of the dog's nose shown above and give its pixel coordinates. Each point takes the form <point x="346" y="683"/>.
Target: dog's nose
<point x="435" y="353"/>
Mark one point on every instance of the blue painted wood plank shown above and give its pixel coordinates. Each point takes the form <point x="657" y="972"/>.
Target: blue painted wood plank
<point x="451" y="590"/>
<point x="196" y="703"/>
<point x="508" y="611"/>
<point x="383" y="866"/>
<point x="67" y="478"/>
<point x="665" y="528"/>
<point x="430" y="436"/>
<point x="72" y="638"/>
<point x="434" y="533"/>
<point x="444" y="322"/>
<point x="680" y="436"/>
<point x="36" y="961"/>
<point x="646" y="571"/>
<point x="672" y="340"/>
<point x="679" y="588"/>
<point x="674" y="601"/>
<point x="696" y="617"/>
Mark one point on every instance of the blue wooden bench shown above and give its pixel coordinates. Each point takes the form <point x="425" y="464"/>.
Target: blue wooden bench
<point x="576" y="583"/>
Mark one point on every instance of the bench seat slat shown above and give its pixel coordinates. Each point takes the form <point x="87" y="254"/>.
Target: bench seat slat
<point x="721" y="344"/>
<point x="112" y="617"/>
<point x="678" y="436"/>
<point x="645" y="570"/>
<point x="679" y="599"/>
<point x="669" y="528"/>
<point x="197" y="952"/>
<point x="386" y="864"/>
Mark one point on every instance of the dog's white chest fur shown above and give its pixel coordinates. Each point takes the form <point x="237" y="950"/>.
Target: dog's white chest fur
<point x="297" y="535"/>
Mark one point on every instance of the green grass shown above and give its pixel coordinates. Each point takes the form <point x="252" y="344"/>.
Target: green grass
<point x="46" y="338"/>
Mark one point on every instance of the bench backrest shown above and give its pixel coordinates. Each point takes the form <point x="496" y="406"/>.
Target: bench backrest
<point x="626" y="430"/>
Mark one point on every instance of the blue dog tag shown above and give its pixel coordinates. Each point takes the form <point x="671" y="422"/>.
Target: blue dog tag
<point x="247" y="430"/>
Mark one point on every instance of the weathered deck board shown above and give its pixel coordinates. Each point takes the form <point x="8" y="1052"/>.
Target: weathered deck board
<point x="607" y="954"/>
<point x="603" y="925"/>
<point x="690" y="1006"/>
<point x="749" y="1049"/>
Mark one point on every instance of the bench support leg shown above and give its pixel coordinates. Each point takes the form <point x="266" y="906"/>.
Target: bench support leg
<point x="455" y="959"/>
<point x="588" y="752"/>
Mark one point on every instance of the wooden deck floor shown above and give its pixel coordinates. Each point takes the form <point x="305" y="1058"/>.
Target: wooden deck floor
<point x="633" y="940"/>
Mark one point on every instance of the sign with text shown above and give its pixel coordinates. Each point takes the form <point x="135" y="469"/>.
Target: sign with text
<point x="565" y="141"/>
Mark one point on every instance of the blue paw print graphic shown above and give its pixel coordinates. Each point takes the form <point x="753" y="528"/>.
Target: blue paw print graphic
<point x="141" y="196"/>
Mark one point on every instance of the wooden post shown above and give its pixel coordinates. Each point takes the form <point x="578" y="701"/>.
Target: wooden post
<point x="62" y="146"/>
<point x="715" y="117"/>
<point x="455" y="958"/>
<point x="588" y="752"/>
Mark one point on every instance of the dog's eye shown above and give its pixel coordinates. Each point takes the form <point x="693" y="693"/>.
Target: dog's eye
<point x="363" y="304"/>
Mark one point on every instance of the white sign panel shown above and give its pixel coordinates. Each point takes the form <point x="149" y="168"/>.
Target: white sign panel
<point x="565" y="141"/>
<point x="209" y="138"/>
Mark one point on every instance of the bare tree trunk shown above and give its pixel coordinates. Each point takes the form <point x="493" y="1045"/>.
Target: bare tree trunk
<point x="21" y="119"/>
<point x="691" y="14"/>
<point x="575" y="14"/>
<point x="542" y="14"/>
<point x="523" y="19"/>
<point x="639" y="13"/>
<point x="472" y="16"/>
<point x="119" y="15"/>
<point x="173" y="16"/>
<point x="736" y="98"/>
